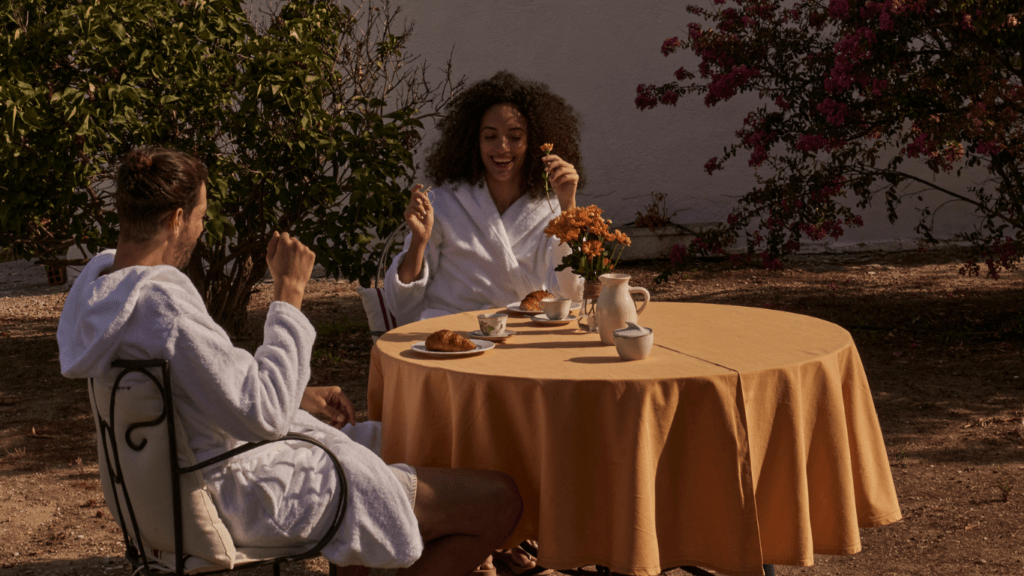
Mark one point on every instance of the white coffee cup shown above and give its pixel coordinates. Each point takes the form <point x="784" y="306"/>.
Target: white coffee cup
<point x="556" y="308"/>
<point x="492" y="324"/>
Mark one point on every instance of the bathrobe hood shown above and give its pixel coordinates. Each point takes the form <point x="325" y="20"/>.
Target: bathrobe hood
<point x="98" y="308"/>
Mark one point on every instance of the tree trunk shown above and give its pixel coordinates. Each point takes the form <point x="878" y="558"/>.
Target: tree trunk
<point x="227" y="292"/>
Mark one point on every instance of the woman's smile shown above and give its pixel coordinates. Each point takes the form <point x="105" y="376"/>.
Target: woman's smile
<point x="503" y="142"/>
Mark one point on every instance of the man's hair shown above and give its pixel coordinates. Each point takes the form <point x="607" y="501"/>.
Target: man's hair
<point x="152" y="183"/>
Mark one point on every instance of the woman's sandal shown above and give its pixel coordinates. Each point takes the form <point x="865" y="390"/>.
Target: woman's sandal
<point x="522" y="560"/>
<point x="487" y="568"/>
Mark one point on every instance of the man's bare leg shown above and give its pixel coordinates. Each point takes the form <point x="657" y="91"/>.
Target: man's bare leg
<point x="464" y="515"/>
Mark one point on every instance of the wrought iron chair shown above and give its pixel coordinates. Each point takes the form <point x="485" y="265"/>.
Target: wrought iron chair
<point x="167" y="517"/>
<point x="379" y="318"/>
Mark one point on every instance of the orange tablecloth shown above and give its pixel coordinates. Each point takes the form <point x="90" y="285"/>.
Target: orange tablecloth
<point x="748" y="436"/>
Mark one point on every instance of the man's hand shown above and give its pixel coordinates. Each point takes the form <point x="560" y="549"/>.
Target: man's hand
<point x="291" y="264"/>
<point x="331" y="402"/>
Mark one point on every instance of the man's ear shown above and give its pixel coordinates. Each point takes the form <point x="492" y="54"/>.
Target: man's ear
<point x="176" y="222"/>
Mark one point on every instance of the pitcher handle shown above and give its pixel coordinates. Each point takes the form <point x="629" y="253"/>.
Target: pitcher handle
<point x="647" y="297"/>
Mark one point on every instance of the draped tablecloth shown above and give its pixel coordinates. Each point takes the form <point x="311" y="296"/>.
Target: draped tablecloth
<point x="747" y="437"/>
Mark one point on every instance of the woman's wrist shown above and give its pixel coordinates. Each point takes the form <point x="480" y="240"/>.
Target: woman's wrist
<point x="411" y="267"/>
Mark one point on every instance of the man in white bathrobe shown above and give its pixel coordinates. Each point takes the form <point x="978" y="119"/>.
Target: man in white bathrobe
<point x="136" y="303"/>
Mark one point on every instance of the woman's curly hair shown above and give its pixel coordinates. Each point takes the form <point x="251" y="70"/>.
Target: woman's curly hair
<point x="549" y="119"/>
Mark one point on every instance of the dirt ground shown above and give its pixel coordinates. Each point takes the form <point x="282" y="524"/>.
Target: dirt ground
<point x="944" y="354"/>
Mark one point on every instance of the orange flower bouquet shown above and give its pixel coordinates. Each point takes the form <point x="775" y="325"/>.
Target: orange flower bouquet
<point x="595" y="249"/>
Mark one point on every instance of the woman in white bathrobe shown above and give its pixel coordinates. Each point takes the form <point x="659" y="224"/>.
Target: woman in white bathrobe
<point x="477" y="240"/>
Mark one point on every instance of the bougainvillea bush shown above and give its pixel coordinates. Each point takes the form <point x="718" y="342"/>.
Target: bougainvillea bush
<point x="858" y="101"/>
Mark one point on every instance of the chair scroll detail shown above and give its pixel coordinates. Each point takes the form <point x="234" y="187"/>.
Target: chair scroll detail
<point x="140" y="447"/>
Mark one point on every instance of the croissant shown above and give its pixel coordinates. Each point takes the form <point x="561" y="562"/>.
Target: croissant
<point x="532" y="300"/>
<point x="448" y="341"/>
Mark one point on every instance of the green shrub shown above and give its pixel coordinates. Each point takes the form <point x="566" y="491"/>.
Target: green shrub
<point x="307" y="125"/>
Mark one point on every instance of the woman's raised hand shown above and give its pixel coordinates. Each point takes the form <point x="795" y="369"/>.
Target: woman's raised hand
<point x="563" y="178"/>
<point x="420" y="214"/>
<point x="420" y="218"/>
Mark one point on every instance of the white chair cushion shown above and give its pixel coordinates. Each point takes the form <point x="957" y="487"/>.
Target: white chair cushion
<point x="147" y="473"/>
<point x="377" y="314"/>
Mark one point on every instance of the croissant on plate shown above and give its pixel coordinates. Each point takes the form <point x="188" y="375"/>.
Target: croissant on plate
<point x="448" y="341"/>
<point x="532" y="300"/>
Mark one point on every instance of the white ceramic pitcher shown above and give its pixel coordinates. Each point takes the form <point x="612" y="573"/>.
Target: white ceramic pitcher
<point x="615" y="306"/>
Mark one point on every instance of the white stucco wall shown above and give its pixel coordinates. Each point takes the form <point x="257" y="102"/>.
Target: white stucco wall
<point x="595" y="53"/>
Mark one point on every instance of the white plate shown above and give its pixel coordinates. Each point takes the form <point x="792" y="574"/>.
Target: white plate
<point x="514" y="307"/>
<point x="545" y="321"/>
<point x="493" y="337"/>
<point x="481" y="345"/>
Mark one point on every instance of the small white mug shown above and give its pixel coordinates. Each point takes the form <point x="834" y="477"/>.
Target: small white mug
<point x="634" y="342"/>
<point x="492" y="324"/>
<point x="556" y="308"/>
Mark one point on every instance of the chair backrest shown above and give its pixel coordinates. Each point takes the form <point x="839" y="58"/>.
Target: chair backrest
<point x="378" y="316"/>
<point x="151" y="480"/>
<point x="385" y="257"/>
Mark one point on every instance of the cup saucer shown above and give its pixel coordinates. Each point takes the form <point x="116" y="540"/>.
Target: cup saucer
<point x="545" y="321"/>
<point x="493" y="337"/>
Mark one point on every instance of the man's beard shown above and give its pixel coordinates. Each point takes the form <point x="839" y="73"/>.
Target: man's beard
<point x="183" y="253"/>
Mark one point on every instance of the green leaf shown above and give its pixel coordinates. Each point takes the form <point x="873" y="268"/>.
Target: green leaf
<point x="118" y="30"/>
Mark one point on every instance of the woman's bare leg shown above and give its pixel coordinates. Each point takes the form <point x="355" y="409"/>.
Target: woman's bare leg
<point x="464" y="515"/>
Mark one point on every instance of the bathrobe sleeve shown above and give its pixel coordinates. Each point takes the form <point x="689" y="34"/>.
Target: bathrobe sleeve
<point x="407" y="301"/>
<point x="252" y="397"/>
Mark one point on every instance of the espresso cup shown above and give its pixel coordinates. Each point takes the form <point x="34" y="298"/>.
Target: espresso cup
<point x="492" y="324"/>
<point x="556" y="308"/>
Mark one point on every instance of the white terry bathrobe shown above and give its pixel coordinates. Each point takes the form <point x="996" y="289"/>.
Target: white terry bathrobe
<point x="226" y="396"/>
<point x="478" y="259"/>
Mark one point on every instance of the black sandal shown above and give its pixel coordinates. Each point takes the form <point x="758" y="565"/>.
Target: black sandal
<point x="530" y="550"/>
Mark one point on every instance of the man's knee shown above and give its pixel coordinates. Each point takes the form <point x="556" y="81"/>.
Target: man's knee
<point x="505" y="495"/>
<point x="466" y="501"/>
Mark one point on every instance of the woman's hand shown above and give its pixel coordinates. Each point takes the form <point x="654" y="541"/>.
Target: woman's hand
<point x="330" y="402"/>
<point x="419" y="215"/>
<point x="563" y="179"/>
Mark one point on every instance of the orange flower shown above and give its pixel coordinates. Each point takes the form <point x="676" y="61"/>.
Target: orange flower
<point x="621" y="238"/>
<point x="547" y="148"/>
<point x="588" y="237"/>
<point x="593" y="248"/>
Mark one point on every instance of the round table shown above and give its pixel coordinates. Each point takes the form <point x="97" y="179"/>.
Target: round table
<point x="747" y="437"/>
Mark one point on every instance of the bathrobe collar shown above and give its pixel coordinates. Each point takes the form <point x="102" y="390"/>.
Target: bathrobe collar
<point x="521" y="218"/>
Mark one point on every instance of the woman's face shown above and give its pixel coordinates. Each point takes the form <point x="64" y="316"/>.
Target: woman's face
<point x="503" y="142"/>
